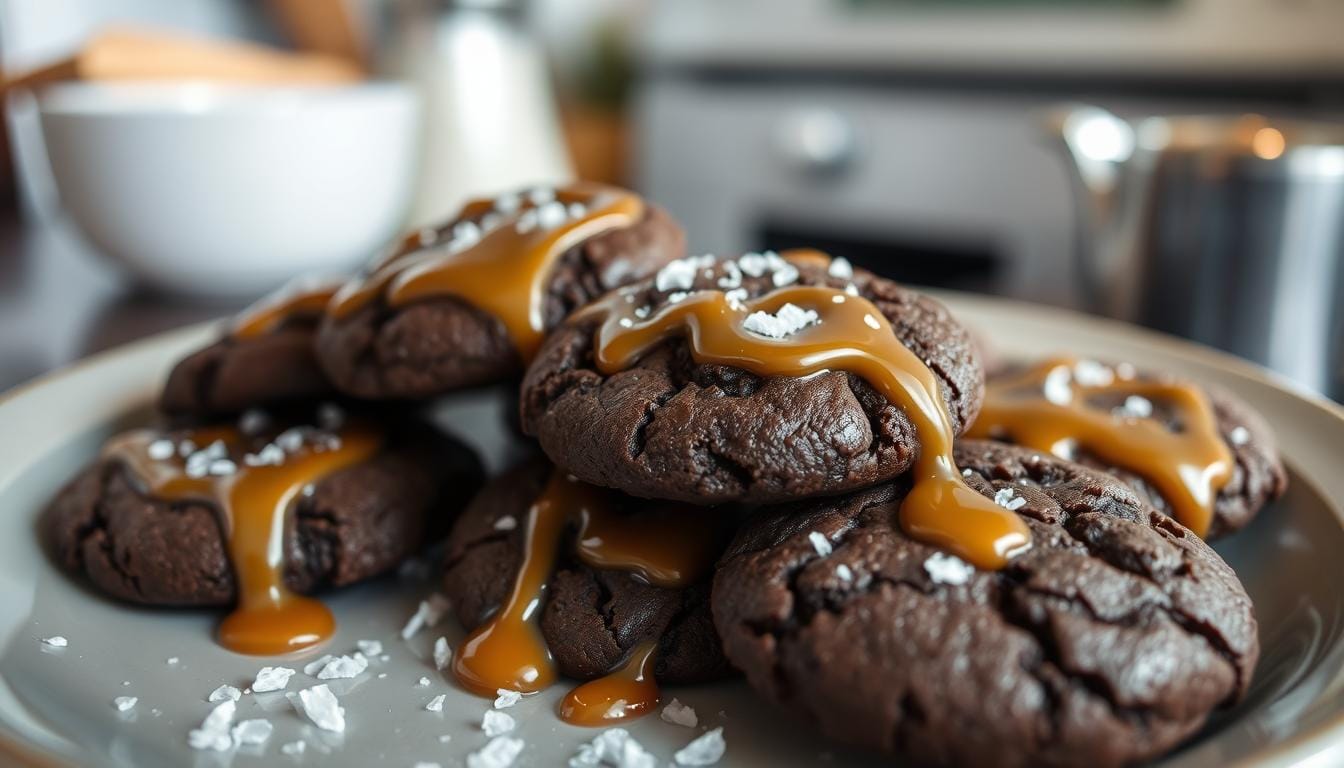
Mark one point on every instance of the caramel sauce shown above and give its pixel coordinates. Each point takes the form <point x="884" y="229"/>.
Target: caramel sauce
<point x="505" y="271"/>
<point x="1048" y="409"/>
<point x="268" y="619"/>
<point x="629" y="692"/>
<point x="667" y="550"/>
<point x="852" y="336"/>
<point x="273" y="311"/>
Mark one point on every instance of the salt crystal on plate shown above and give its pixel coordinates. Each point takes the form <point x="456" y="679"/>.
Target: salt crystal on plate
<point x="123" y="703"/>
<point x="344" y="667"/>
<point x="948" y="569"/>
<point x="613" y="747"/>
<point x="443" y="653"/>
<point x="320" y="705"/>
<point x="313" y="667"/>
<point x="55" y="641"/>
<point x="445" y="738"/>
<point x="293" y="748"/>
<point x="272" y="679"/>
<point x="369" y="648"/>
<point x="422" y="682"/>
<point x="679" y="714"/>
<point x="214" y="730"/>
<point x="505" y="698"/>
<point x="706" y="750"/>
<point x="499" y="753"/>
<point x="423" y="764"/>
<point x="436" y="704"/>
<point x="506" y="523"/>
<point x="427" y="614"/>
<point x="252" y="732"/>
<point x="820" y="543"/>
<point x="224" y="692"/>
<point x="495" y="723"/>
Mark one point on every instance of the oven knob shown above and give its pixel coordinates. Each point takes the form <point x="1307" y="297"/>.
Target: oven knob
<point x="815" y="140"/>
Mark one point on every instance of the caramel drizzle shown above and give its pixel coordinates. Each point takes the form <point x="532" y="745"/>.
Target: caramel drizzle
<point x="509" y="652"/>
<point x="275" y="310"/>
<point x="505" y="272"/>
<point x="269" y="618"/>
<point x="852" y="336"/>
<point x="1048" y="409"/>
<point x="630" y="691"/>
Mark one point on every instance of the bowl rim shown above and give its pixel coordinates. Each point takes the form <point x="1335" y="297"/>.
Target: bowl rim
<point x="137" y="98"/>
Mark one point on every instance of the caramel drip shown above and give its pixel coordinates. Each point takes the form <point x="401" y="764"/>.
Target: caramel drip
<point x="505" y="272"/>
<point x="667" y="550"/>
<point x="852" y="336"/>
<point x="273" y="311"/>
<point x="666" y="547"/>
<point x="626" y="693"/>
<point x="268" y="618"/>
<point x="1048" y="409"/>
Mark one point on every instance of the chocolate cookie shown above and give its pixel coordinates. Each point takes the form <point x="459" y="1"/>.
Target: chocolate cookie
<point x="670" y="427"/>
<point x="355" y="523"/>
<point x="265" y="358"/>
<point x="592" y="617"/>
<point x="397" y="336"/>
<point x="1107" y="642"/>
<point x="1256" y="475"/>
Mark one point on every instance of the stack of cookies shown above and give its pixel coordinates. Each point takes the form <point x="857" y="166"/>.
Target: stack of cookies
<point x="760" y="464"/>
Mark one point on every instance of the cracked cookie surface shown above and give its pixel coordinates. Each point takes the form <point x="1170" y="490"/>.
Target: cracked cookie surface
<point x="1108" y="642"/>
<point x="444" y="344"/>
<point x="357" y="522"/>
<point x="670" y="428"/>
<point x="591" y="618"/>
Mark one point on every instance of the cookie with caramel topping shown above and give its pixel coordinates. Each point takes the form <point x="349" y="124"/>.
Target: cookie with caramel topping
<point x="417" y="335"/>
<point x="592" y="618"/>
<point x="1107" y="642"/>
<point x="667" y="426"/>
<point x="353" y="523"/>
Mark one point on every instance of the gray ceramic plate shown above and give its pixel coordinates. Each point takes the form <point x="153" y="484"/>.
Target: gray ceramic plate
<point x="56" y="705"/>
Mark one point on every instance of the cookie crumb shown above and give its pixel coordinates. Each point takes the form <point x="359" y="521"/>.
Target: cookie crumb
<point x="495" y="723"/>
<point x="944" y="568"/>
<point x="708" y="749"/>
<point x="679" y="714"/>
<point x="820" y="543"/>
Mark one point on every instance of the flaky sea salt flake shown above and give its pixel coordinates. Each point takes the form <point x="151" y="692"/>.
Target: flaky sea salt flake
<point x="320" y="705"/>
<point x="214" y="731"/>
<point x="272" y="679"/>
<point x="820" y="543"/>
<point x="948" y="569"/>
<point x="504" y="698"/>
<point x="500" y="752"/>
<point x="677" y="713"/>
<point x="495" y="723"/>
<point x="705" y="750"/>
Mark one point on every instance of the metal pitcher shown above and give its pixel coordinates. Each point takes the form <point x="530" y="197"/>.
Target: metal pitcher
<point x="1226" y="230"/>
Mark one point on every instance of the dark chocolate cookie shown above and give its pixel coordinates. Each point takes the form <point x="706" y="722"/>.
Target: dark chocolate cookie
<point x="272" y="364"/>
<point x="671" y="428"/>
<point x="1258" y="475"/>
<point x="592" y="618"/>
<point x="357" y="522"/>
<point x="1108" y="642"/>
<point x="441" y="344"/>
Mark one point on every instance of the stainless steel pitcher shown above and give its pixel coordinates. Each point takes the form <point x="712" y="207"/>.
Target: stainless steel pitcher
<point x="1226" y="230"/>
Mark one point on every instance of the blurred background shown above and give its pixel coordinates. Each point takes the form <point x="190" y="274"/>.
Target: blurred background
<point x="1176" y="163"/>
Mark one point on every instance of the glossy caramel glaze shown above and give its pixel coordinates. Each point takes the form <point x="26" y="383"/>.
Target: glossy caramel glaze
<point x="306" y="300"/>
<point x="850" y="334"/>
<point x="1054" y="407"/>
<point x="626" y="693"/>
<point x="253" y="501"/>
<point x="501" y="262"/>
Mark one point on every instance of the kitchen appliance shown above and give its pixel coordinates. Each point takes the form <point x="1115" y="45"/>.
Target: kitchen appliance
<point x="908" y="134"/>
<point x="1226" y="230"/>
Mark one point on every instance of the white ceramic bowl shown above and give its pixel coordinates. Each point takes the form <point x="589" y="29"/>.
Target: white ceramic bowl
<point x="230" y="190"/>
